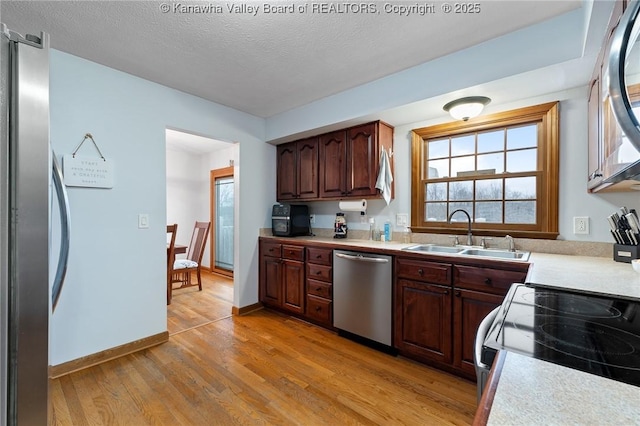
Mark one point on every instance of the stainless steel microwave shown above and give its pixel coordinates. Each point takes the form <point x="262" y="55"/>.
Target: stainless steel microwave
<point x="290" y="220"/>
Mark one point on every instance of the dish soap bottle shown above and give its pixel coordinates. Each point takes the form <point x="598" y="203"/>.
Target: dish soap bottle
<point x="387" y="231"/>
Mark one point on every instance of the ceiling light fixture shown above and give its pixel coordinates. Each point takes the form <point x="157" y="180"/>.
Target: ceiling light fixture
<point x="466" y="108"/>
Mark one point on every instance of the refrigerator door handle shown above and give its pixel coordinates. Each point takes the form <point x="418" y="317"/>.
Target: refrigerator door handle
<point x="63" y="204"/>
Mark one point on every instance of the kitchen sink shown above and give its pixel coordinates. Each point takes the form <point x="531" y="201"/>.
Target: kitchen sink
<point x="431" y="248"/>
<point x="522" y="256"/>
<point x="502" y="254"/>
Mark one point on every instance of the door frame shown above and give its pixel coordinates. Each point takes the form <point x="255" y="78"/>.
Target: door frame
<point x="215" y="174"/>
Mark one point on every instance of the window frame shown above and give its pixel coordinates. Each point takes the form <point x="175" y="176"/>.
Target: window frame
<point x="548" y="170"/>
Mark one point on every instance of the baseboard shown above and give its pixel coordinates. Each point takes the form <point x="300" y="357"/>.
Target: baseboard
<point x="63" y="369"/>
<point x="246" y="309"/>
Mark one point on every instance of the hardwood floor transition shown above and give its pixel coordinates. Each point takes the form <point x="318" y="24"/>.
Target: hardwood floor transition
<point x="261" y="368"/>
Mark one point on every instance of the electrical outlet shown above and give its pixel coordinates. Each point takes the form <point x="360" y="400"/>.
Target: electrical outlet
<point x="402" y="219"/>
<point x="581" y="225"/>
<point x="312" y="218"/>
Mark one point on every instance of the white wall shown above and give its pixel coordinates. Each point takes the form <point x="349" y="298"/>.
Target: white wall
<point x="115" y="289"/>
<point x="187" y="194"/>
<point x="574" y="199"/>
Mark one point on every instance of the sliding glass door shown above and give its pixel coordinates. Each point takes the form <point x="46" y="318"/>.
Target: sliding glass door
<point x="222" y="218"/>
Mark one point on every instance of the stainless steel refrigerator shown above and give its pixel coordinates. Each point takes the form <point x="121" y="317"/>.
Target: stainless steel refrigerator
<point x="30" y="184"/>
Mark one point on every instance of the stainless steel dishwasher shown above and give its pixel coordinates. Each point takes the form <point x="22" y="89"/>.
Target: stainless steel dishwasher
<point x="362" y="297"/>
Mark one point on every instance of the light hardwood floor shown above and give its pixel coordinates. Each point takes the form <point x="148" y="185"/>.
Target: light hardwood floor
<point x="261" y="368"/>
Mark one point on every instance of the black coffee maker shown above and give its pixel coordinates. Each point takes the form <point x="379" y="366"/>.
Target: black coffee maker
<point x="340" y="226"/>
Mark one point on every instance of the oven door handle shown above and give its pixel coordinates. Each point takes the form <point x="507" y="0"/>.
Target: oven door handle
<point x="481" y="334"/>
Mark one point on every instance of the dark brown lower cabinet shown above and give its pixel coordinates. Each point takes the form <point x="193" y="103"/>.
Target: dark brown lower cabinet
<point x="439" y="306"/>
<point x="469" y="309"/>
<point x="423" y="320"/>
<point x="281" y="283"/>
<point x="297" y="279"/>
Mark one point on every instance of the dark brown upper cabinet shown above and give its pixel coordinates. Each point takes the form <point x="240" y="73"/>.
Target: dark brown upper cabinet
<point x="348" y="164"/>
<point x="297" y="175"/>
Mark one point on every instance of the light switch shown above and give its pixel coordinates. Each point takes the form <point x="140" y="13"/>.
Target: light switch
<point x="143" y="221"/>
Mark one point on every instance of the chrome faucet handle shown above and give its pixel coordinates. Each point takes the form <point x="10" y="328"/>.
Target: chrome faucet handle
<point x="512" y="244"/>
<point x="483" y="242"/>
<point x="456" y="240"/>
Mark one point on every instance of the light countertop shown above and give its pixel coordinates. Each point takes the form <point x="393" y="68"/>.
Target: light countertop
<point x="534" y="392"/>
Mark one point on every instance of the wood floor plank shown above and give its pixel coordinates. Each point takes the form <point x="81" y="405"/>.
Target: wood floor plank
<point x="262" y="368"/>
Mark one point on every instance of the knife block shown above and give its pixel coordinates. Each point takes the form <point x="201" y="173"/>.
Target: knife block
<point x="625" y="253"/>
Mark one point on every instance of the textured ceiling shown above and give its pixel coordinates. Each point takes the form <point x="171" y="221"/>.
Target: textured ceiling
<point x="268" y="63"/>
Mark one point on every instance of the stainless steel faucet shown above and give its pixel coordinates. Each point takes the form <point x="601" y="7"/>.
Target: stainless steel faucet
<point x="512" y="244"/>
<point x="469" y="234"/>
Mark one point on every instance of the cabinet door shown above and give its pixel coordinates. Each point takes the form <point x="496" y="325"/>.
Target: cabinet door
<point x="469" y="309"/>
<point x="332" y="164"/>
<point x="307" y="168"/>
<point x="362" y="161"/>
<point x="293" y="286"/>
<point x="286" y="179"/>
<point x="271" y="280"/>
<point x="423" y="321"/>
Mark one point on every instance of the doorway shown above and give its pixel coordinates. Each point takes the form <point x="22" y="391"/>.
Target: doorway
<point x="222" y="224"/>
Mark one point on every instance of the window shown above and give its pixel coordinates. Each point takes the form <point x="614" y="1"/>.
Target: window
<point x="502" y="169"/>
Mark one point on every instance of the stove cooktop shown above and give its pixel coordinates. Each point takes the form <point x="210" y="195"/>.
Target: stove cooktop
<point x="592" y="333"/>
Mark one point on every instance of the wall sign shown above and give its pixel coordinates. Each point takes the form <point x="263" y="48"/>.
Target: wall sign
<point x="93" y="172"/>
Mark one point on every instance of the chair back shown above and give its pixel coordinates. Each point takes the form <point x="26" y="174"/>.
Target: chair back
<point x="198" y="241"/>
<point x="171" y="250"/>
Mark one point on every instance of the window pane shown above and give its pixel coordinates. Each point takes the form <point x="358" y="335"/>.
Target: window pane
<point x="520" y="212"/>
<point x="522" y="137"/>
<point x="522" y="161"/>
<point x="463" y="145"/>
<point x="435" y="212"/>
<point x="520" y="188"/>
<point x="462" y="164"/>
<point x="489" y="211"/>
<point x="436" y="191"/>
<point x="490" y="189"/>
<point x="438" y="149"/>
<point x="460" y="217"/>
<point x="461" y="190"/>
<point x="491" y="141"/>
<point x="491" y="161"/>
<point x="438" y="168"/>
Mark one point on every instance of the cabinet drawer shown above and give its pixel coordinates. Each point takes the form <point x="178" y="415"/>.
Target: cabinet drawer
<point x="486" y="279"/>
<point x="271" y="249"/>
<point x="320" y="272"/>
<point x="319" y="288"/>
<point x="437" y="273"/>
<point x="320" y="256"/>
<point x="319" y="309"/>
<point x="293" y="252"/>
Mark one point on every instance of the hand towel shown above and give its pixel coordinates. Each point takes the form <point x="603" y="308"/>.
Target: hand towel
<point x="385" y="177"/>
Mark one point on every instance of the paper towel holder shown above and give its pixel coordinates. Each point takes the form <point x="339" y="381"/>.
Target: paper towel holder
<point x="353" y="206"/>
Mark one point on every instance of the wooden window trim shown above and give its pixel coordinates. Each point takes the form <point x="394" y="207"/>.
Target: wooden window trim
<point x="548" y="165"/>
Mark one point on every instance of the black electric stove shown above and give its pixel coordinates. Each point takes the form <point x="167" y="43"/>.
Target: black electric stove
<point x="592" y="333"/>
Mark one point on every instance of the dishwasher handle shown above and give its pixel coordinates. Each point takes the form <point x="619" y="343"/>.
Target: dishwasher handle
<point x="361" y="258"/>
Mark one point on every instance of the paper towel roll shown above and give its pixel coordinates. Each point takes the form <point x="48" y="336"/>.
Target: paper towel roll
<point x="353" y="206"/>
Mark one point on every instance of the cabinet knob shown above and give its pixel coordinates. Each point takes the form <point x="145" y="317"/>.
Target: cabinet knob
<point x="420" y="272"/>
<point x="458" y="294"/>
<point x="318" y="256"/>
<point x="318" y="308"/>
<point x="446" y="292"/>
<point x="487" y="281"/>
<point x="318" y="272"/>
<point x="270" y="250"/>
<point x="319" y="289"/>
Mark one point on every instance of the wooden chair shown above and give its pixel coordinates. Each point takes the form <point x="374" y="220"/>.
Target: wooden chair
<point x="171" y="257"/>
<point x="182" y="268"/>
